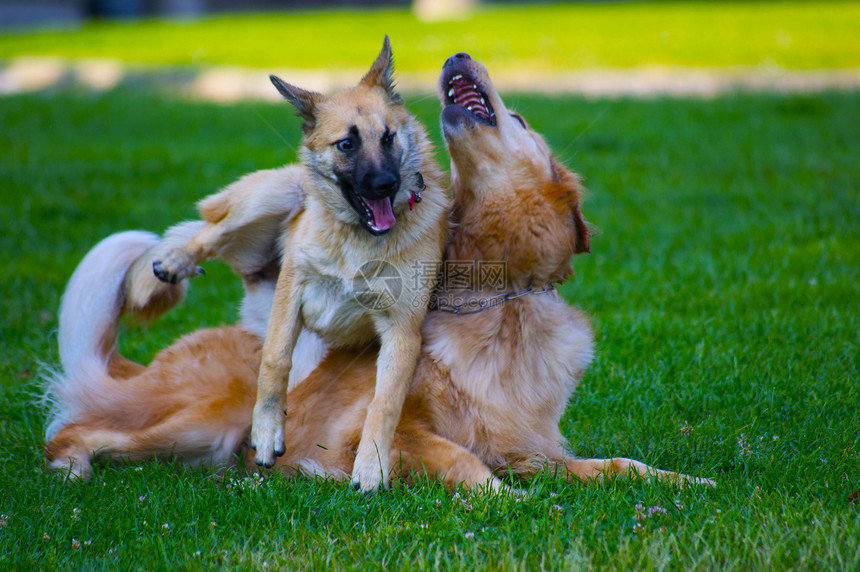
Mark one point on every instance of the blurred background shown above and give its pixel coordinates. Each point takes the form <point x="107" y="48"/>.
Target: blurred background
<point x="35" y="12"/>
<point x="15" y="13"/>
<point x="215" y="49"/>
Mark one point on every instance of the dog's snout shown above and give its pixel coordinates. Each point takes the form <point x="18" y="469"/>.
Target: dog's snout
<point x="460" y="56"/>
<point x="383" y="183"/>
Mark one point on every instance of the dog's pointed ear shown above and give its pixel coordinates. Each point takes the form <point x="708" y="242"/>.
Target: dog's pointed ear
<point x="382" y="71"/>
<point x="303" y="100"/>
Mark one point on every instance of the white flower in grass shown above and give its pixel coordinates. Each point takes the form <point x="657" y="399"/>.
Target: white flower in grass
<point x="656" y="510"/>
<point x="469" y="535"/>
<point x="87" y="542"/>
<point x="165" y="527"/>
<point x="141" y="498"/>
<point x="76" y="544"/>
<point x="743" y="447"/>
<point x="76" y="513"/>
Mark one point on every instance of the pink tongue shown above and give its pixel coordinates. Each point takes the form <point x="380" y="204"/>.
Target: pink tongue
<point x="383" y="216"/>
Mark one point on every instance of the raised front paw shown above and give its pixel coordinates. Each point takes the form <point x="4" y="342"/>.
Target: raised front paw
<point x="368" y="475"/>
<point x="267" y="434"/>
<point x="176" y="265"/>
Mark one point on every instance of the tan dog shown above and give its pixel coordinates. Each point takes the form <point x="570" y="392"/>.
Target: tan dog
<point x="499" y="362"/>
<point x="365" y="161"/>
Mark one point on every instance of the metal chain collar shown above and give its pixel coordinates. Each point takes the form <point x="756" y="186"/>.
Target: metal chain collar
<point x="475" y="306"/>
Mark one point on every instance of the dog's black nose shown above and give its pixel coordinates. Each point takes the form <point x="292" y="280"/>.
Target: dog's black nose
<point x="457" y="57"/>
<point x="384" y="183"/>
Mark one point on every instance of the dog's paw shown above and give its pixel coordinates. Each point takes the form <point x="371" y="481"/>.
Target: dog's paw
<point x="368" y="476"/>
<point x="72" y="468"/>
<point x="176" y="265"/>
<point x="685" y="481"/>
<point x="704" y="482"/>
<point x="267" y="435"/>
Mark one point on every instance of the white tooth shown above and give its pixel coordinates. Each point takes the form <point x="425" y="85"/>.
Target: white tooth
<point x="475" y="87"/>
<point x="451" y="92"/>
<point x="469" y="107"/>
<point x="456" y="77"/>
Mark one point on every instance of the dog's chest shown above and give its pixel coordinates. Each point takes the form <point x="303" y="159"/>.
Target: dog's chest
<point x="514" y="370"/>
<point x="331" y="308"/>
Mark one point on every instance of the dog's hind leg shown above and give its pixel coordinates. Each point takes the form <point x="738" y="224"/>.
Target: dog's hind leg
<point x="73" y="448"/>
<point x="599" y="469"/>
<point x="420" y="452"/>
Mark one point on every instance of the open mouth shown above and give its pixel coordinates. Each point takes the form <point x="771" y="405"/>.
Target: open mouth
<point x="464" y="91"/>
<point x="376" y="216"/>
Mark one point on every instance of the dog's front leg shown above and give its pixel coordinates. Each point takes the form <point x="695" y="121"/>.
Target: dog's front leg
<point x="395" y="367"/>
<point x="181" y="262"/>
<point x="285" y="324"/>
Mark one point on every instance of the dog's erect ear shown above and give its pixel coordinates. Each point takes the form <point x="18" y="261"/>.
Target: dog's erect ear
<point x="303" y="100"/>
<point x="381" y="73"/>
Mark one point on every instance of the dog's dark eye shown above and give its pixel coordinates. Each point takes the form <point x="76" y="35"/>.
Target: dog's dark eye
<point x="388" y="138"/>
<point x="520" y="119"/>
<point x="345" y="145"/>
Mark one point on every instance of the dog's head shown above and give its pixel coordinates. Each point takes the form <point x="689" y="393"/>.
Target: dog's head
<point x="504" y="172"/>
<point x="360" y="145"/>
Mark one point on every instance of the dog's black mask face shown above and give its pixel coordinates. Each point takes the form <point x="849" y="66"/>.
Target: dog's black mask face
<point x="359" y="138"/>
<point x="367" y="168"/>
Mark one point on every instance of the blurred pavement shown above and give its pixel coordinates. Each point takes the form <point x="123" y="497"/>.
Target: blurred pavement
<point x="230" y="84"/>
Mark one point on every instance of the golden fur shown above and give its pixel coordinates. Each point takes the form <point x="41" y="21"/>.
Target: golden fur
<point x="489" y="388"/>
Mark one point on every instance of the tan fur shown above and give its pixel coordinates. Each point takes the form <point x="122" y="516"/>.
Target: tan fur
<point x="325" y="248"/>
<point x="489" y="388"/>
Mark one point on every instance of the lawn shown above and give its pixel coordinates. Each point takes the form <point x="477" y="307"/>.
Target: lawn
<point x="541" y="37"/>
<point x="724" y="286"/>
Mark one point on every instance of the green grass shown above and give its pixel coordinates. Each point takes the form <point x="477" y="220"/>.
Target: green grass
<point x="724" y="286"/>
<point x="796" y="35"/>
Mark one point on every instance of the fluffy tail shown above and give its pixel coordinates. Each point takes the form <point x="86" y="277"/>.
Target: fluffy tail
<point x="114" y="278"/>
